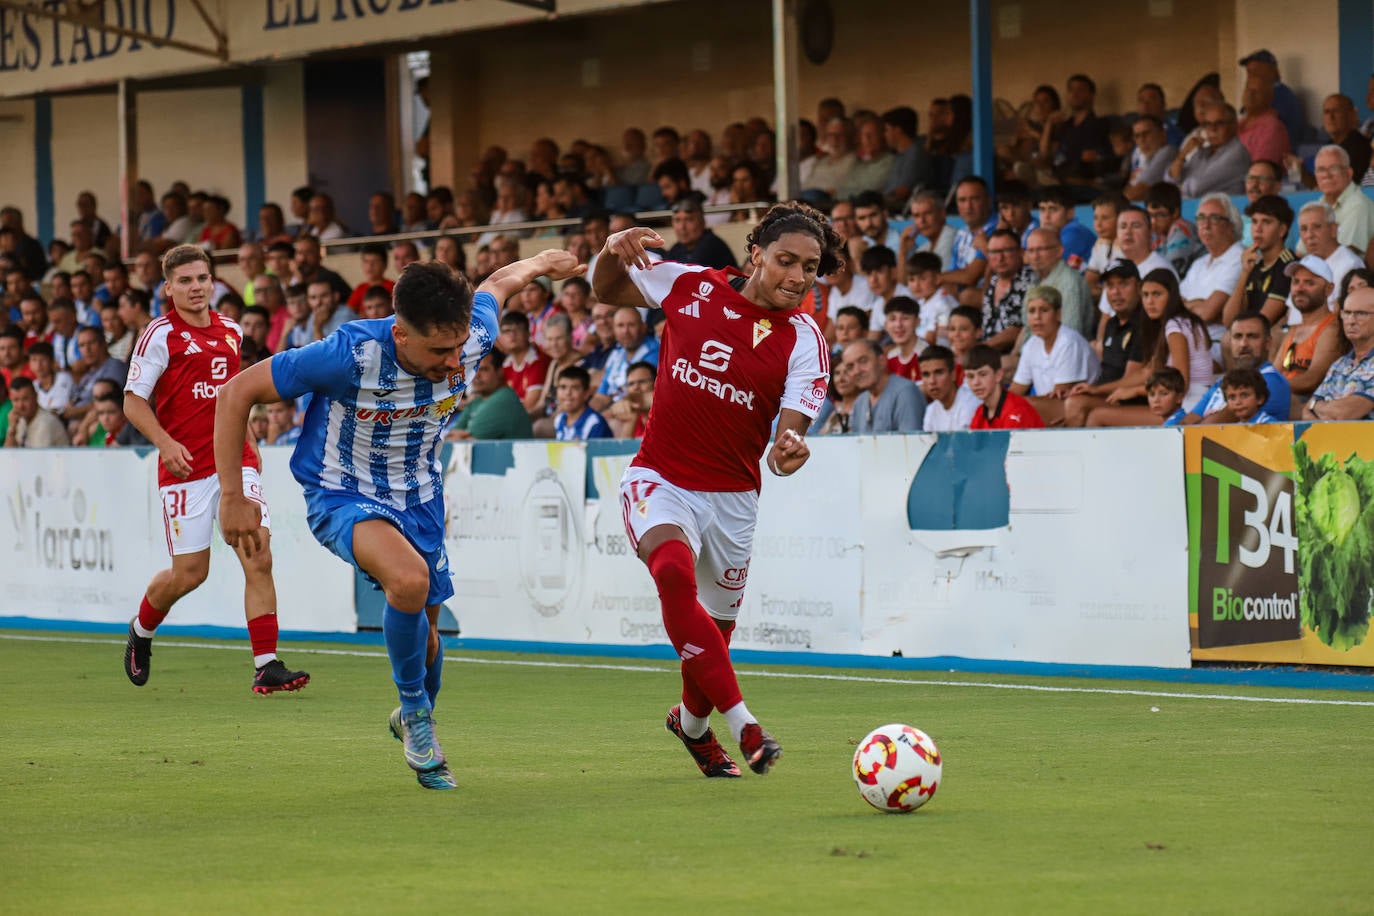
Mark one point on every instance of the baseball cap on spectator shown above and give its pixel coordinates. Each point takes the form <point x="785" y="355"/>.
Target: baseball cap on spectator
<point x="1122" y="267"/>
<point x="544" y="282"/>
<point x="1314" y="264"/>
<point x="1263" y="55"/>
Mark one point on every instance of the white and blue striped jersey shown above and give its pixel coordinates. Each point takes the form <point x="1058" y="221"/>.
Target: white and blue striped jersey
<point x="591" y="425"/>
<point x="372" y="428"/>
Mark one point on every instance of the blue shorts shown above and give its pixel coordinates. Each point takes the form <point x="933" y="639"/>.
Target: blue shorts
<point x="332" y="514"/>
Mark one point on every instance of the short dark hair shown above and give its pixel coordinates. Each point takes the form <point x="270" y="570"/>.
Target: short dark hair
<point x="971" y="312"/>
<point x="297" y="290"/>
<point x="853" y="311"/>
<point x="377" y="291"/>
<point x="904" y="118"/>
<point x="674" y="168"/>
<point x="903" y="304"/>
<point x="496" y="359"/>
<point x="1275" y="170"/>
<point x="139" y="299"/>
<point x="972" y="179"/>
<point x="303" y="193"/>
<point x="869" y="199"/>
<point x="643" y="364"/>
<point x="1083" y="78"/>
<point x="1246" y="378"/>
<point x="937" y="353"/>
<point x="429" y="295"/>
<point x="875" y="257"/>
<point x="259" y="311"/>
<point x="1151" y="119"/>
<point x="924" y="262"/>
<point x="375" y="250"/>
<point x="1154" y="87"/>
<point x="1164" y="194"/>
<point x="799" y="217"/>
<point x="1168" y="378"/>
<point x="41" y="348"/>
<point x="85" y="328"/>
<point x="1057" y="194"/>
<point x="1259" y="316"/>
<point x="1005" y="234"/>
<point x="1013" y="192"/>
<point x="285" y="248"/>
<point x="115" y="397"/>
<point x="1272" y="205"/>
<point x="515" y="318"/>
<point x="1114" y="199"/>
<point x="117" y="266"/>
<point x="22" y="383"/>
<point x="577" y="374"/>
<point x="578" y="283"/>
<point x="982" y="356"/>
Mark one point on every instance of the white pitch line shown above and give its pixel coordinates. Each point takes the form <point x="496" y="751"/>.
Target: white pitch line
<point x="795" y="675"/>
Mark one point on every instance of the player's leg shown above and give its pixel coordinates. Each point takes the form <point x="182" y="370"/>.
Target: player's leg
<point x="434" y="656"/>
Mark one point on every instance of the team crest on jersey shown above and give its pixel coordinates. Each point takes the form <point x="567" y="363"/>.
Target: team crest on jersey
<point x="457" y="378"/>
<point x="642" y="507"/>
<point x="704" y="290"/>
<point x="762" y="328"/>
<point x="446" y="407"/>
<point x="231" y="343"/>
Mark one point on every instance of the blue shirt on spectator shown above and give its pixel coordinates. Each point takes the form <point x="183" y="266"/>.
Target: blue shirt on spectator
<point x="1278" y="405"/>
<point x="964" y="251"/>
<point x="1348" y="376"/>
<point x="618" y="365"/>
<point x="1078" y="241"/>
<point x="590" y="425"/>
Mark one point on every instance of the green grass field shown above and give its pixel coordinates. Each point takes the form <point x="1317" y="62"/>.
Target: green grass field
<point x="191" y="795"/>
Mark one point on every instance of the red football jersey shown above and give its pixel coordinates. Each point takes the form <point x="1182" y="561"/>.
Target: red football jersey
<point x="911" y="369"/>
<point x="1015" y="412"/>
<point x="180" y="368"/>
<point x="725" y="369"/>
<point x="529" y="374"/>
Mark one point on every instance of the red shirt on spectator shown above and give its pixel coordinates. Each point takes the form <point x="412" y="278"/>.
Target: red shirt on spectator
<point x="527" y="375"/>
<point x="31" y="338"/>
<point x="225" y="235"/>
<point x="1015" y="412"/>
<point x="355" y="300"/>
<point x="911" y="369"/>
<point x="11" y="374"/>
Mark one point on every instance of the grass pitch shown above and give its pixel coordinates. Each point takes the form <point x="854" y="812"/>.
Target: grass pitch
<point x="192" y="795"/>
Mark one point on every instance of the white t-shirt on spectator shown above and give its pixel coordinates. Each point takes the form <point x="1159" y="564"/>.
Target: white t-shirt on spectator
<point x="876" y="318"/>
<point x="1154" y="262"/>
<point x="59" y="396"/>
<point x="941" y="419"/>
<point x="1207" y="275"/>
<point x="859" y="295"/>
<point x="1070" y="360"/>
<point x="1342" y="261"/>
<point x="1201" y="373"/>
<point x="935" y="314"/>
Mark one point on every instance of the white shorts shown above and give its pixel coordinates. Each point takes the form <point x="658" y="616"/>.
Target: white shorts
<point x="190" y="510"/>
<point x="719" y="527"/>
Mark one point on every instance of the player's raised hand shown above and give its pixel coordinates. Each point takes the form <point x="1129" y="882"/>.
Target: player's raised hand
<point x="560" y="265"/>
<point x="631" y="246"/>
<point x="176" y="459"/>
<point x="240" y="521"/>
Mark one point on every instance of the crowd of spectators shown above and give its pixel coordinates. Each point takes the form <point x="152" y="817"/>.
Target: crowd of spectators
<point x="1021" y="316"/>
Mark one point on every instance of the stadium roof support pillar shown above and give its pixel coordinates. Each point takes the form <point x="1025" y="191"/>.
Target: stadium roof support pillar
<point x="980" y="32"/>
<point x="128" y="167"/>
<point x="785" y="96"/>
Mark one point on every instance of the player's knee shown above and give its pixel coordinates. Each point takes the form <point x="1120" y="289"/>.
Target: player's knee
<point x="259" y="564"/>
<point x="407" y="588"/>
<point x="191" y="577"/>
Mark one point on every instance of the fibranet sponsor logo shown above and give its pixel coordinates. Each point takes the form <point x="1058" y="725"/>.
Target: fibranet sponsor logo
<point x="204" y="391"/>
<point x="690" y="375"/>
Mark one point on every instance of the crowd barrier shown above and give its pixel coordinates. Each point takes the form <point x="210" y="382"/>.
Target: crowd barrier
<point x="1071" y="547"/>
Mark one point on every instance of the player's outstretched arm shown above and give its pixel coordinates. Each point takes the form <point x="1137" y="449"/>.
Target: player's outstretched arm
<point x="553" y="263"/>
<point x="626" y="249"/>
<point x="789" y="450"/>
<point x="240" y="519"/>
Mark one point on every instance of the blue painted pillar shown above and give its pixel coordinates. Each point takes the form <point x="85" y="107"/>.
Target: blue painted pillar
<point x="1355" y="45"/>
<point x="980" y="32"/>
<point x="254" y="157"/>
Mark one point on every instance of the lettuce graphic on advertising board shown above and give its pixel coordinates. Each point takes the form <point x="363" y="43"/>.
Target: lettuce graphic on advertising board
<point x="1335" y="526"/>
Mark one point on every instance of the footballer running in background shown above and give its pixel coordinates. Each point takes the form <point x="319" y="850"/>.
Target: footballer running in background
<point x="739" y="352"/>
<point x="383" y="390"/>
<point x="179" y="364"/>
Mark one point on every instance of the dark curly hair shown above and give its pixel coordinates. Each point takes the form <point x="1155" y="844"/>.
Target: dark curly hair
<point x="430" y="295"/>
<point x="799" y="217"/>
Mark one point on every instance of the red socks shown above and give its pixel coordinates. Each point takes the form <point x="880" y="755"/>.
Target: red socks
<point x="262" y="633"/>
<point x="693" y="700"/>
<point x="148" y="616"/>
<point x="694" y="634"/>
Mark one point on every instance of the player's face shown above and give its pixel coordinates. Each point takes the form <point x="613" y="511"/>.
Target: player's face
<point x="1041" y="318"/>
<point x="936" y="379"/>
<point x="571" y="395"/>
<point x="962" y="333"/>
<point x="1244" y="403"/>
<point x="1163" y="402"/>
<point x="190" y="286"/>
<point x="785" y="270"/>
<point x="983" y="382"/>
<point x="434" y="356"/>
<point x="900" y="326"/>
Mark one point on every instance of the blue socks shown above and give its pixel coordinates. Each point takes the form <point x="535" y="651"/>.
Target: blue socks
<point x="435" y="674"/>
<point x="407" y="637"/>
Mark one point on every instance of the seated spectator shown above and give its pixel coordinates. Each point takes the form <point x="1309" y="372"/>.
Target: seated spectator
<point x="674" y="184"/>
<point x="114" y="427"/>
<point x="321" y="223"/>
<point x="629" y="416"/>
<point x="1055" y="358"/>
<point x="1354" y="211"/>
<point x="31" y="426"/>
<point x="1263" y="284"/>
<point x="831" y="171"/>
<point x="911" y="167"/>
<point x="635" y="166"/>
<point x="546" y="207"/>
<point x="510" y="207"/>
<point x="86" y="214"/>
<point x="1173" y="237"/>
<point x="833" y="419"/>
<point x="1246" y="392"/>
<point x="599" y="343"/>
<point x="846" y="289"/>
<point x="1133" y="238"/>
<point x="492" y="411"/>
<point x="257" y="424"/>
<point x="950" y="405"/>
<point x="1075" y="140"/>
<point x="1319" y="232"/>
<point x="748" y="184"/>
<point x="272" y="227"/>
<point x="403" y="254"/>
<point x="923" y="279"/>
<point x="1216" y="161"/>
<point x="870" y="216"/>
<point x="1149" y="100"/>
<point x="218" y="233"/>
<point x="1164" y="391"/>
<point x="327" y="313"/>
<point x="256" y="323"/>
<point x="62" y="335"/>
<point x="1056" y="213"/>
<point x="928" y="231"/>
<point x="1341" y="122"/>
<point x="879" y="267"/>
<point x="1262" y="132"/>
<point x="134" y="311"/>
<point x="300" y="210"/>
<point x="1347" y="392"/>
<point x="373" y="260"/>
<point x="576" y="421"/>
<point x="1263" y="64"/>
<point x="1009" y="279"/>
<point x="1044" y="255"/>
<point x="1106" y="209"/>
<point x="308" y="267"/>
<point x="118" y="337"/>
<point x="1249" y="342"/>
<point x="377" y="303"/>
<point x="1119" y="345"/>
<point x="296" y="331"/>
<point x="570" y="196"/>
<point x="884" y="403"/>
<point x="282" y="425"/>
<point x="600" y="169"/>
<point x="101" y="365"/>
<point x="633" y="345"/>
<point x="116" y="277"/>
<point x="279" y="257"/>
<point x="13" y="362"/>
<point x="537" y="302"/>
<point x="1014" y="212"/>
<point x="899" y="322"/>
<point x="1262" y="179"/>
<point x="695" y="243"/>
<point x="1308" y="349"/>
<point x="965" y="331"/>
<point x="33" y="319"/>
<point x="1214" y="276"/>
<point x="439" y="208"/>
<point x="851" y="324"/>
<point x="558" y="355"/>
<point x="52" y="387"/>
<point x="381" y="214"/>
<point x="843" y="219"/>
<point x="873" y="161"/>
<point x="83" y="297"/>
<point x="446" y="251"/>
<point x="970" y="243"/>
<point x="1000" y="408"/>
<point x="524" y="366"/>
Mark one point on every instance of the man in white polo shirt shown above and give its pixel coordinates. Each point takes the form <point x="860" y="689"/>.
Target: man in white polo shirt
<point x="1134" y="241"/>
<point x="1213" y="276"/>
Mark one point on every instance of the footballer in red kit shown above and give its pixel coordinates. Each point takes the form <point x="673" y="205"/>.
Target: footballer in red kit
<point x="179" y="363"/>
<point x="739" y="353"/>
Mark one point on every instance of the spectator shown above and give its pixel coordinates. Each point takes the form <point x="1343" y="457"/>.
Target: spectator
<point x="63" y="326"/>
<point x="1075" y="141"/>
<point x="965" y="330"/>
<point x="846" y="290"/>
<point x="1320" y="235"/>
<point x="1263" y="64"/>
<point x="1213" y="277"/>
<point x="969" y="266"/>
<point x="1133" y="239"/>
<point x="1341" y="122"/>
<point x="1106" y="209"/>
<point x="403" y="254"/>
<point x="218" y="233"/>
<point x="1246" y="392"/>
<point x="558" y="355"/>
<point x="1263" y="284"/>
<point x="271" y="227"/>
<point x="1044" y="255"/>
<point x="373" y="261"/>
<point x="674" y="184"/>
<point x="510" y="207"/>
<point x="113" y="427"/>
<point x="1000" y="409"/>
<point x="280" y="260"/>
<point x="300" y="210"/>
<point x="1055" y="358"/>
<point x="256" y="324"/>
<point x="493" y="411"/>
<point x="695" y="243"/>
<point x="843" y="219"/>
<point x="53" y="387"/>
<point x="102" y="366"/>
<point x="635" y="167"/>
<point x="831" y="171"/>
<point x="83" y="297"/>
<point x="879" y="267"/>
<point x="873" y="161"/>
<point x="85" y="213"/>
<point x="252" y="265"/>
<point x="377" y="303"/>
<point x="321" y="223"/>
<point x="851" y="324"/>
<point x="1008" y="282"/>
<point x="1262" y="179"/>
<point x="950" y="405"/>
<point x="309" y="268"/>
<point x="524" y="366"/>
<point x="600" y="343"/>
<point x="633" y="345"/>
<point x="575" y="420"/>
<point x="1262" y="132"/>
<point x="1347" y="391"/>
<point x="1354" y="210"/>
<point x="807" y="152"/>
<point x="1020" y="152"/>
<point x="178" y="227"/>
<point x="1014" y="210"/>
<point x="1149" y="101"/>
<point x="696" y="155"/>
<point x="1310" y="347"/>
<point x="30" y="426"/>
<point x="381" y="213"/>
<point x="1122" y="354"/>
<point x="574" y="299"/>
<point x="147" y="218"/>
<point x="439" y="207"/>
<point x="1056" y="212"/>
<point x="570" y="196"/>
<point x="749" y="182"/>
<point x="629" y="416"/>
<point x="928" y="230"/>
<point x="27" y="251"/>
<point x="446" y="251"/>
<point x="537" y="302"/>
<point x="1172" y="237"/>
<point x="884" y="403"/>
<point x="13" y="362"/>
<point x="1214" y="161"/>
<point x="1249" y="342"/>
<point x="911" y="167"/>
<point x="257" y="424"/>
<point x="72" y="261"/>
<point x="870" y="216"/>
<point x="282" y="428"/>
<point x="923" y="279"/>
<point x="1164" y="392"/>
<point x="134" y="311"/>
<point x="119" y="339"/>
<point x="899" y="322"/>
<point x="327" y="313"/>
<point x="835" y="414"/>
<point x="33" y="319"/>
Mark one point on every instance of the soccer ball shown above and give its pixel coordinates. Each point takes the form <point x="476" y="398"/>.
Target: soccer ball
<point x="897" y="768"/>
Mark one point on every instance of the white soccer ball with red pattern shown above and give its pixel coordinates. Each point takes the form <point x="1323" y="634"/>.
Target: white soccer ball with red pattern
<point x="897" y="768"/>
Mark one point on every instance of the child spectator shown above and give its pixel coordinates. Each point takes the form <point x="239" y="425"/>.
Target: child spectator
<point x="949" y="404"/>
<point x="297" y="333"/>
<point x="965" y="330"/>
<point x="1164" y="390"/>
<point x="53" y="388"/>
<point x="851" y="324"/>
<point x="1001" y="409"/>
<point x="878" y="264"/>
<point x="1105" y="211"/>
<point x="377" y="302"/>
<point x="257" y="424"/>
<point x="575" y="420"/>
<point x="899" y="321"/>
<point x="1171" y="236"/>
<point x="1246" y="392"/>
<point x="373" y="259"/>
<point x="923" y="279"/>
